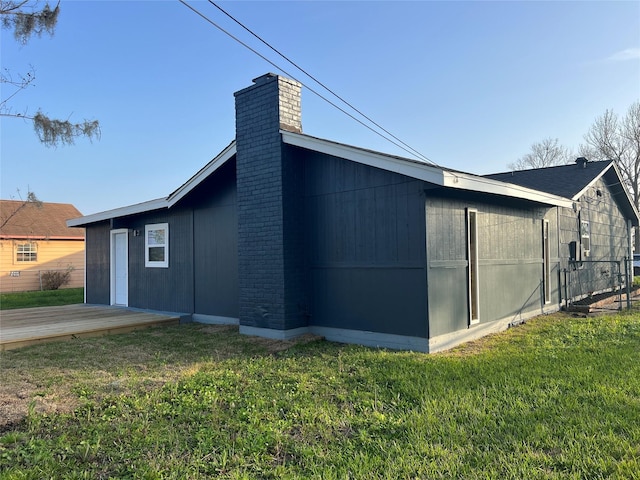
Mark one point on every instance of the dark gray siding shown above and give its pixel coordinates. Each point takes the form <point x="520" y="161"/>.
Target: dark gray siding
<point x="98" y="263"/>
<point x="215" y="223"/>
<point x="510" y="260"/>
<point x="365" y="247"/>
<point x="166" y="289"/>
<point x="609" y="240"/>
<point x="202" y="276"/>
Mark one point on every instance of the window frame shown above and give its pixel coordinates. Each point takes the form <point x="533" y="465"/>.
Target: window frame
<point x="585" y="233"/>
<point x="149" y="263"/>
<point x="472" y="268"/>
<point x="546" y="262"/>
<point x="32" y="253"/>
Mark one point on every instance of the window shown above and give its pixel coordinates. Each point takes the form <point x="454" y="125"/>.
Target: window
<point x="585" y="237"/>
<point x="26" y="252"/>
<point x="546" y="261"/>
<point x="156" y="245"/>
<point x="472" y="257"/>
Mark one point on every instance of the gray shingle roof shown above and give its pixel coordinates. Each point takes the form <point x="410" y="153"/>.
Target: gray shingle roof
<point x="566" y="180"/>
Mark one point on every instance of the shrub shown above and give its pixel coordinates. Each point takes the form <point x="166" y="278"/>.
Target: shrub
<point x="54" y="279"/>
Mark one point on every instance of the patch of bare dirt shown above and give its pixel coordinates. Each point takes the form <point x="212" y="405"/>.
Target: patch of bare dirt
<point x="273" y="346"/>
<point x="34" y="383"/>
<point x="17" y="400"/>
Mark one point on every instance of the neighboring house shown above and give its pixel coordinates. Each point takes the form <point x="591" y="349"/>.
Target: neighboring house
<point x="284" y="234"/>
<point x="34" y="238"/>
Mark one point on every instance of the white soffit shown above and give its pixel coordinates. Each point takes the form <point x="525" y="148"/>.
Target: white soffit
<point x="160" y="203"/>
<point x="422" y="171"/>
<point x="465" y="181"/>
<point x="156" y="204"/>
<point x="410" y="168"/>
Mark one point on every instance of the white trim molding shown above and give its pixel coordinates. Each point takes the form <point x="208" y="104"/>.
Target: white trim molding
<point x="202" y="174"/>
<point x="156" y="241"/>
<point x="156" y="204"/>
<point x="421" y="170"/>
<point x="112" y="266"/>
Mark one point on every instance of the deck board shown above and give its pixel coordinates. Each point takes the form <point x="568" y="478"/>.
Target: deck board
<point x="28" y="326"/>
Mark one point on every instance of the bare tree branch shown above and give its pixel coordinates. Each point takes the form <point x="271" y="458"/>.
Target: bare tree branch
<point x="26" y="18"/>
<point x="546" y="153"/>
<point x="31" y="200"/>
<point x="618" y="138"/>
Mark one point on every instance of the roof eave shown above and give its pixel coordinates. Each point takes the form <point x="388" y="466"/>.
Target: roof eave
<point x="636" y="220"/>
<point x="577" y="196"/>
<point x="463" y="181"/>
<point x="156" y="204"/>
<point x="40" y="237"/>
<point x="204" y="172"/>
<point x="421" y="171"/>
<point x="410" y="168"/>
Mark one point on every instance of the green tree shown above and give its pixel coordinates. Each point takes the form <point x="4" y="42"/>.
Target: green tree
<point x="28" y="18"/>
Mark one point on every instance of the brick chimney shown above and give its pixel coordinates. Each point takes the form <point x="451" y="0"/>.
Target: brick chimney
<point x="270" y="232"/>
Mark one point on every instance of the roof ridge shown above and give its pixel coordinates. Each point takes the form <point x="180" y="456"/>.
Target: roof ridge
<point x="545" y="168"/>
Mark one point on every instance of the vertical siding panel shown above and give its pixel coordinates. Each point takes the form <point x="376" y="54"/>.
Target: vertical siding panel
<point x="362" y="273"/>
<point x="98" y="263"/>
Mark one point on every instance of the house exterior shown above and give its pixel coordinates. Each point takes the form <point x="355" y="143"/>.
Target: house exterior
<point x="594" y="233"/>
<point x="34" y="238"/>
<point x="283" y="234"/>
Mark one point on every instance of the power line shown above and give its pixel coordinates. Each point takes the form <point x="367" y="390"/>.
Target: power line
<point x="255" y="35"/>
<point x="399" y="145"/>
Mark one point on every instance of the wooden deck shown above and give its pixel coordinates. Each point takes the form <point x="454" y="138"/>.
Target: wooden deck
<point x="28" y="326"/>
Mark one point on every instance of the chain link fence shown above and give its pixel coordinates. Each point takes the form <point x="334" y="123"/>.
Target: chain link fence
<point x="30" y="280"/>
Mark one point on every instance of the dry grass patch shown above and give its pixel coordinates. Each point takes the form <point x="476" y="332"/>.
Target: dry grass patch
<point x="60" y="377"/>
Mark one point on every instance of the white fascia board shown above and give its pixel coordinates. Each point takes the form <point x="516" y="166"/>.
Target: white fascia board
<point x="465" y="181"/>
<point x="156" y="204"/>
<point x="420" y="171"/>
<point x="582" y="192"/>
<point x="410" y="168"/>
<point x="160" y="203"/>
<point x="204" y="172"/>
<point x="626" y="191"/>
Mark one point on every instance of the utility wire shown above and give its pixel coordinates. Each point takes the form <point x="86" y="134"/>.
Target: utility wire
<point x="203" y="16"/>
<point x="255" y="35"/>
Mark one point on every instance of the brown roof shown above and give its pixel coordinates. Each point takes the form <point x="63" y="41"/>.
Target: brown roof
<point x="20" y="219"/>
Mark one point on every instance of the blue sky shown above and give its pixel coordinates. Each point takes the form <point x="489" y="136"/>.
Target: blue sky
<point x="471" y="85"/>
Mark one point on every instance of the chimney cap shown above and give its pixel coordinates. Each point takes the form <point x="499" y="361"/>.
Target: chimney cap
<point x="264" y="78"/>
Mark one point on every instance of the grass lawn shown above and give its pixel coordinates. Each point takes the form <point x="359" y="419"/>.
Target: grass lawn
<point x="46" y="298"/>
<point x="558" y="397"/>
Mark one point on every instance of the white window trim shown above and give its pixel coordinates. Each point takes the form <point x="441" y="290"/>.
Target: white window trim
<point x="546" y="262"/>
<point x="586" y="251"/>
<point x="472" y="259"/>
<point x="151" y="263"/>
<point x="33" y="249"/>
<point x="112" y="266"/>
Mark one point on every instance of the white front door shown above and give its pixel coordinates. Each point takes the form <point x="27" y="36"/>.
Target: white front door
<point x="119" y="267"/>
